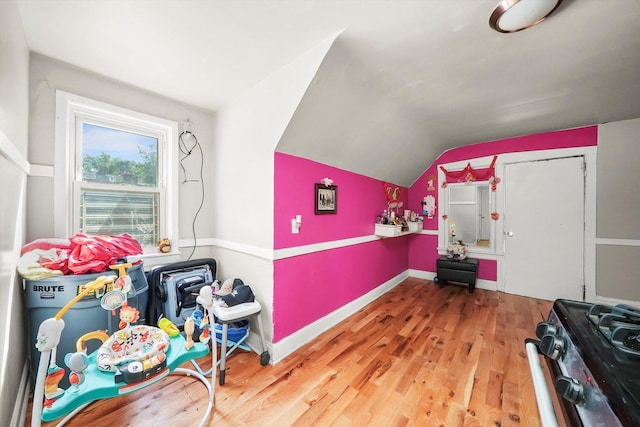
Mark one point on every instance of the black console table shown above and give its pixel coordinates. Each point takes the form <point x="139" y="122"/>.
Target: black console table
<point x="464" y="271"/>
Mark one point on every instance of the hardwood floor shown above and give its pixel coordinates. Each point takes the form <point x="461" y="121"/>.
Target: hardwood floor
<point x="417" y="356"/>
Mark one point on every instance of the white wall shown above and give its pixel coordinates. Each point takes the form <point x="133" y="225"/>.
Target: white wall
<point x="14" y="116"/>
<point x="618" y="203"/>
<point x="238" y="144"/>
<point x="47" y="75"/>
<point x="249" y="130"/>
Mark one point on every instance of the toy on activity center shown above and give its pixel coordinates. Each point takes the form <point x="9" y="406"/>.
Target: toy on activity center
<point x="132" y="358"/>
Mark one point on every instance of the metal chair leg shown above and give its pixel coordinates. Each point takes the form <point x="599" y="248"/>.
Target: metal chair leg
<point x="264" y="356"/>
<point x="223" y="352"/>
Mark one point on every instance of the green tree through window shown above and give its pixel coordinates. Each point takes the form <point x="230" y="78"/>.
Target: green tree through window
<point x="128" y="161"/>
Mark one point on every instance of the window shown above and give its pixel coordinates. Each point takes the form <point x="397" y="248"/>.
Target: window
<point x="115" y="172"/>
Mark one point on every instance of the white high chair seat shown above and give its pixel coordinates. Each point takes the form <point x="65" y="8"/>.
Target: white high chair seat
<point x="236" y="313"/>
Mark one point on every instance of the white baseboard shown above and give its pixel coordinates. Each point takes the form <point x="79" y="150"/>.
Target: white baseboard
<point x="615" y="301"/>
<point x="420" y="274"/>
<point x="19" y="415"/>
<point x="488" y="285"/>
<point x="288" y="345"/>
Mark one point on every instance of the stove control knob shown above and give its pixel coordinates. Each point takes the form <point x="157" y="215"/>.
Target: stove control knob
<point x="552" y="346"/>
<point x="571" y="389"/>
<point x="546" y="328"/>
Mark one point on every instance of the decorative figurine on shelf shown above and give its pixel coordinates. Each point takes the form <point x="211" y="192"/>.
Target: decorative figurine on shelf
<point x="394" y="196"/>
<point x="429" y="206"/>
<point x="457" y="250"/>
<point x="430" y="180"/>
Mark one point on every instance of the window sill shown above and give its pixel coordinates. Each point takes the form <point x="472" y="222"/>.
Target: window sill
<point x="475" y="253"/>
<point x="152" y="259"/>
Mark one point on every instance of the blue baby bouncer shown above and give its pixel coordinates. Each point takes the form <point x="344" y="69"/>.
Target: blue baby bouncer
<point x="131" y="359"/>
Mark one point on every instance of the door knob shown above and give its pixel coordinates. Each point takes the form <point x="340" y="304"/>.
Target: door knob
<point x="509" y="233"/>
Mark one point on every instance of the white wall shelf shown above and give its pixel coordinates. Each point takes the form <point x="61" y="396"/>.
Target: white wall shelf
<point x="386" y="230"/>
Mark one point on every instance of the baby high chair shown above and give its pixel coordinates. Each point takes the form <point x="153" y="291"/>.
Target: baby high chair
<point x="229" y="339"/>
<point x="130" y="359"/>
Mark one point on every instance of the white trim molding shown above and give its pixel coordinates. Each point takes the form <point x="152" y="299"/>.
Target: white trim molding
<point x="21" y="403"/>
<point x="45" y="171"/>
<point x="615" y="301"/>
<point x="277" y="254"/>
<point x="9" y="151"/>
<point x="323" y="246"/>
<point x="617" y="242"/>
<point x="430" y="232"/>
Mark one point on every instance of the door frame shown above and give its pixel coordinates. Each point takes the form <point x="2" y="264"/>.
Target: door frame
<point x="590" y="157"/>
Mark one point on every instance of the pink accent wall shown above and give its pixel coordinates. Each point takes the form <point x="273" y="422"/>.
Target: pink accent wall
<point x="360" y="200"/>
<point x="423" y="252"/>
<point x="580" y="137"/>
<point x="309" y="287"/>
<point x="427" y="244"/>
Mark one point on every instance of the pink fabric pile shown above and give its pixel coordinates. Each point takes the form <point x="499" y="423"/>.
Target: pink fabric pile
<point x="81" y="253"/>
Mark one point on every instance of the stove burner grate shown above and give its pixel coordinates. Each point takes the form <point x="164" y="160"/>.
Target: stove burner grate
<point x="627" y="340"/>
<point x="620" y="324"/>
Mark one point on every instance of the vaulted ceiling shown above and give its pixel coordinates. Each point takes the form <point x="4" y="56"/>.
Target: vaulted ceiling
<point x="404" y="81"/>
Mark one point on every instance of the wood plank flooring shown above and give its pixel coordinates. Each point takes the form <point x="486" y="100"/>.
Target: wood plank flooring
<point x="417" y="356"/>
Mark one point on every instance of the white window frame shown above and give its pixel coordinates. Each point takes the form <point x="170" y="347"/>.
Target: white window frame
<point x="446" y="204"/>
<point x="494" y="248"/>
<point x="70" y="109"/>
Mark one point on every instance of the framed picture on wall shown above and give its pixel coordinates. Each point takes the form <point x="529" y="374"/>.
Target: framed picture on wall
<point x="326" y="199"/>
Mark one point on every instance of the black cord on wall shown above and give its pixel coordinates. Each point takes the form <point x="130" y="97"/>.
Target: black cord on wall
<point x="187" y="151"/>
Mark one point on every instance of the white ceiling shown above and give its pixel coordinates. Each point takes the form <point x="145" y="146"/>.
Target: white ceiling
<point x="405" y="80"/>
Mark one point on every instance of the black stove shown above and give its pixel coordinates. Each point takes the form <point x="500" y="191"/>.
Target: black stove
<point x="594" y="352"/>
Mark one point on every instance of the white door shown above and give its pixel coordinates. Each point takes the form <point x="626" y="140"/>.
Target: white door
<point x="544" y="228"/>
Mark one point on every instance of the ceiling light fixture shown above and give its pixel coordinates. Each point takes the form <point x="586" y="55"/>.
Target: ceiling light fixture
<point x="515" y="15"/>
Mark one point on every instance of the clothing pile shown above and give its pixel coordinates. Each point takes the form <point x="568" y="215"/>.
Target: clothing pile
<point x="79" y="254"/>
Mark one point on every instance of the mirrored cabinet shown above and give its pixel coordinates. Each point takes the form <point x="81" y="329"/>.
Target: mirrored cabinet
<point x="467" y="215"/>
